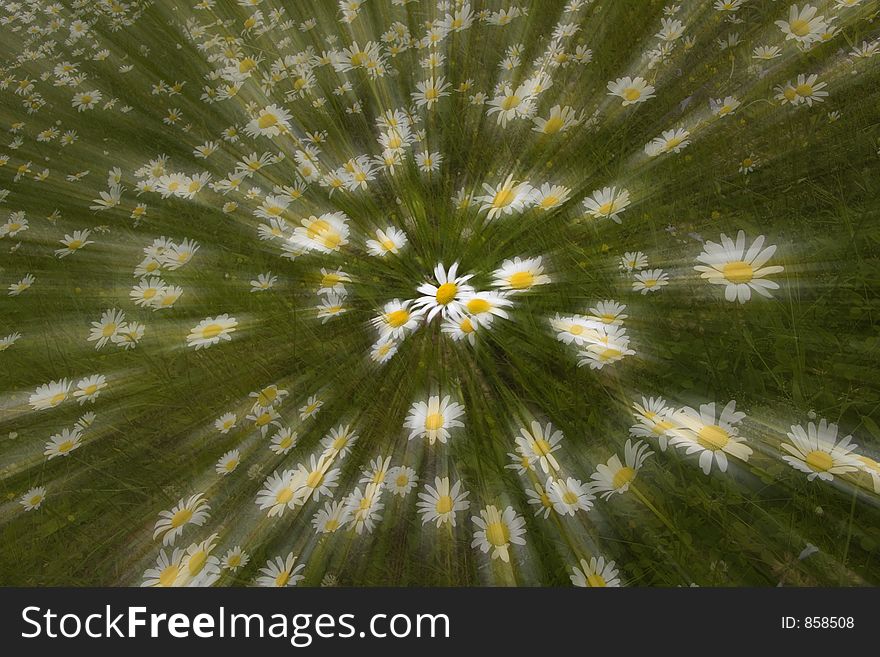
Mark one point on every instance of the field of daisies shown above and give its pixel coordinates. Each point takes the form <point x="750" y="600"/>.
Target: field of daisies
<point x="456" y="292"/>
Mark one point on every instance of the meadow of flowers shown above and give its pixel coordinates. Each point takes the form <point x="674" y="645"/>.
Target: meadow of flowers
<point x="457" y="292"/>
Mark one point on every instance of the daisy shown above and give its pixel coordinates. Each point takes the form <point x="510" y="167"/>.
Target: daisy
<point x="540" y="499"/>
<point x="192" y="511"/>
<point x="89" y="388"/>
<point x="147" y="293"/>
<point x="128" y="335"/>
<point x="166" y="571"/>
<point x="631" y="90"/>
<point x="460" y="327"/>
<point x="311" y="408"/>
<point x="650" y="280"/>
<point x="390" y="240"/>
<point x="178" y="255"/>
<point x="497" y="530"/>
<point x="9" y="340"/>
<point x="401" y="480"/>
<point x="766" y="53"/>
<point x="33" y="498"/>
<point x="550" y="196"/>
<point x="326" y="234"/>
<point x="363" y="508"/>
<point x="439" y="503"/>
<point x="803" y="25"/>
<point x="280" y="492"/>
<point x="520" y="274"/>
<point x="506" y="198"/>
<point x="434" y="418"/>
<point x="225" y="423"/>
<point x="574" y="329"/>
<point x="724" y="107"/>
<point x="112" y="321"/>
<point x="211" y="331"/>
<point x="271" y="122"/>
<point x="333" y="282"/>
<point x="713" y="439"/>
<point x="317" y="478"/>
<point x="608" y="312"/>
<point x="281" y="572"/>
<point x="817" y="452"/>
<point x="485" y="305"/>
<point x="339" y="441"/>
<point x="235" y="558"/>
<point x="738" y="269"/>
<point x="62" y="444"/>
<point x="198" y="568"/>
<point x="397" y="319"/>
<point x="430" y="91"/>
<point x="73" y="243"/>
<point x="331" y="306"/>
<point x="560" y="120"/>
<point x="633" y="261"/>
<point x="569" y="496"/>
<point x="511" y="103"/>
<point x="655" y="420"/>
<point x="228" y="462"/>
<point x="808" y="90"/>
<point x="671" y="141"/>
<point x="539" y="444"/>
<point x="49" y="395"/>
<point x="445" y="295"/>
<point x="607" y="202"/>
<point x="610" y="345"/>
<point x="615" y="477"/>
<point x="383" y="350"/>
<point x="594" y="573"/>
<point x="331" y="517"/>
<point x="283" y="441"/>
<point x="263" y="282"/>
<point x="271" y="395"/>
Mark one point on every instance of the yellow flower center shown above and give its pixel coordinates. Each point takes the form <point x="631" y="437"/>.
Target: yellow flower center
<point x="609" y="354"/>
<point x="66" y="446"/>
<point x="444" y="504"/>
<point x="569" y="497"/>
<point x="713" y="437"/>
<point x="622" y="477"/>
<point x="738" y="272"/>
<point x="282" y="579"/>
<point x="284" y="495"/>
<point x="315" y="479"/>
<point x="819" y="461"/>
<point x="542" y="447"/>
<point x="446" y="293"/>
<point x="433" y="421"/>
<point x="181" y="518"/>
<point x="631" y="94"/>
<point x="168" y="575"/>
<point x="57" y="398"/>
<point x="497" y="534"/>
<point x="553" y="124"/>
<point x="477" y="306"/>
<point x="510" y="102"/>
<point x="197" y="562"/>
<point x="466" y="326"/>
<point x="606" y="208"/>
<point x="317" y="227"/>
<point x="109" y="330"/>
<point x="397" y="318"/>
<point x="521" y="280"/>
<point x="402" y="480"/>
<point x="799" y="27"/>
<point x="503" y="198"/>
<point x="596" y="581"/>
<point x="804" y="90"/>
<point x="211" y="331"/>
